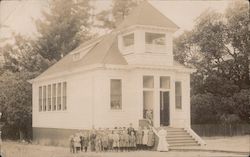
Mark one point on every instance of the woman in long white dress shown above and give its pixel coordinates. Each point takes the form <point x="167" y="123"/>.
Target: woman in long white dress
<point x="162" y="145"/>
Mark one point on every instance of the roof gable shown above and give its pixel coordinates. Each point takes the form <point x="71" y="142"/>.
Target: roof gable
<point x="146" y="14"/>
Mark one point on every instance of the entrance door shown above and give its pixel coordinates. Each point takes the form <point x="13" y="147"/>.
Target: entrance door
<point x="164" y="108"/>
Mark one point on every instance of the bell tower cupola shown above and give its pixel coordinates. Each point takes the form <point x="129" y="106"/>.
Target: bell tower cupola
<point x="146" y="36"/>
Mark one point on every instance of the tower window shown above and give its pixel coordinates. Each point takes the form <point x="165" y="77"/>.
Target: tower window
<point x="128" y="40"/>
<point x="155" y="38"/>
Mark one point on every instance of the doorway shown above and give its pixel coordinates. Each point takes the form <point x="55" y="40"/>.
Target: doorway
<point x="164" y="108"/>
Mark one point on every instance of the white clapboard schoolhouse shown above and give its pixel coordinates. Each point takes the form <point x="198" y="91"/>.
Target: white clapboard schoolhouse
<point x="117" y="79"/>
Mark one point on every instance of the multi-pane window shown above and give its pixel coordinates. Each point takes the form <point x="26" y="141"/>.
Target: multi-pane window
<point x="178" y="95"/>
<point x="116" y="94"/>
<point x="148" y="101"/>
<point x="148" y="97"/>
<point x="64" y="96"/>
<point x="59" y="100"/>
<point x="44" y="99"/>
<point x="54" y="96"/>
<point x="155" y="38"/>
<point x="40" y="98"/>
<point x="49" y="98"/>
<point x="128" y="40"/>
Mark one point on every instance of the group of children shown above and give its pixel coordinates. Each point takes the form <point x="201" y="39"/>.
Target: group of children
<point x="118" y="139"/>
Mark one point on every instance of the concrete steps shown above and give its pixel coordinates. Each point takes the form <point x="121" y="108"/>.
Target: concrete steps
<point x="178" y="137"/>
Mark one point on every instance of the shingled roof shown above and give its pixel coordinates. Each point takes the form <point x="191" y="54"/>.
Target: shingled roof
<point x="103" y="52"/>
<point x="105" y="49"/>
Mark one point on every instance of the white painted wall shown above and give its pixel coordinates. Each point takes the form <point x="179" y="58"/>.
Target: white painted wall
<point x="181" y="117"/>
<point x="132" y="98"/>
<point x="79" y="100"/>
<point x="88" y="100"/>
<point x="104" y="115"/>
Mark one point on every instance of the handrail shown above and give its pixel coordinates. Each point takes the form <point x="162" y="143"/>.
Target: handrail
<point x="195" y="136"/>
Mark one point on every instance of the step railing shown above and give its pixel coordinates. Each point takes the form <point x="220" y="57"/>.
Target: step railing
<point x="195" y="136"/>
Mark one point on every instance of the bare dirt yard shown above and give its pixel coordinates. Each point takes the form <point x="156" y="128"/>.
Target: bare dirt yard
<point x="230" y="144"/>
<point x="236" y="143"/>
<point x="239" y="143"/>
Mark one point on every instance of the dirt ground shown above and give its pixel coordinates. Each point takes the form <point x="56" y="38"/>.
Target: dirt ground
<point x="240" y="143"/>
<point x="236" y="143"/>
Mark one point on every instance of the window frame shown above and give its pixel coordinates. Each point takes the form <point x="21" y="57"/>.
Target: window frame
<point x="49" y="88"/>
<point x="44" y="108"/>
<point x="64" y="95"/>
<point x="121" y="94"/>
<point x="148" y="90"/>
<point x="59" y="97"/>
<point x="40" y="98"/>
<point x="144" y="93"/>
<point x="148" y="33"/>
<point x="180" y="97"/>
<point x="54" y="97"/>
<point x="127" y="35"/>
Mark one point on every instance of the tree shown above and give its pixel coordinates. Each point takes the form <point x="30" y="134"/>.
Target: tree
<point x="62" y="28"/>
<point x="218" y="48"/>
<point x="219" y="44"/>
<point x="16" y="102"/>
<point x="21" y="56"/>
<point x="242" y="104"/>
<point x="238" y="24"/>
<point x="111" y="18"/>
<point x="203" y="109"/>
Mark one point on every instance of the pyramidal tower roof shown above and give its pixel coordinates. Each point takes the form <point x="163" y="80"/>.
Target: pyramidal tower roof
<point x="146" y="14"/>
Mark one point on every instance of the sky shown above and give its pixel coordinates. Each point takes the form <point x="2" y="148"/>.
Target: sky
<point x="18" y="15"/>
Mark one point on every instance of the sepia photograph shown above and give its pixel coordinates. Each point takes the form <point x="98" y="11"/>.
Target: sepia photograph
<point x="124" y="78"/>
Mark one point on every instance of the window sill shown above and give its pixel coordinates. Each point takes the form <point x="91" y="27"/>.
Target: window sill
<point x="116" y="110"/>
<point x="62" y="111"/>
